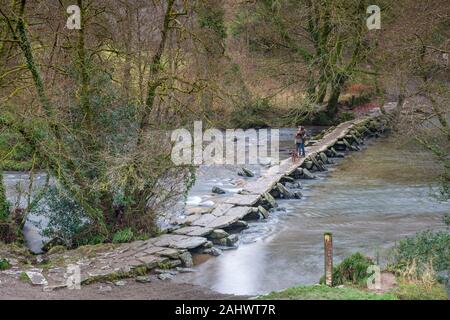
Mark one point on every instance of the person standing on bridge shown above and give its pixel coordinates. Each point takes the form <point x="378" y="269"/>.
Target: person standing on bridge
<point x="300" y="141"/>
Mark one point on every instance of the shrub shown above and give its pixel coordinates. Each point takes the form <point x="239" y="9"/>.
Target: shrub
<point x="123" y="236"/>
<point x="66" y="218"/>
<point x="352" y="270"/>
<point x="4" y="204"/>
<point x="4" y="264"/>
<point x="422" y="248"/>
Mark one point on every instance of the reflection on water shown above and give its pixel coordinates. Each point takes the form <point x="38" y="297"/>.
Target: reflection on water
<point x="370" y="200"/>
<point x="19" y="194"/>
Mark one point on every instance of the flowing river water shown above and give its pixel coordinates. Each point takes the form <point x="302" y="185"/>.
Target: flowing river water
<point x="369" y="200"/>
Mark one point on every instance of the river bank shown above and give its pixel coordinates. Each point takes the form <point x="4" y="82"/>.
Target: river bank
<point x="174" y="250"/>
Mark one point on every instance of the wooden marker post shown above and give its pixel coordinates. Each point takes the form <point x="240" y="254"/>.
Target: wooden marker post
<point x="328" y="250"/>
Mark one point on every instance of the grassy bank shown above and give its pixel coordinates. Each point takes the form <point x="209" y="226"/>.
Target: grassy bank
<point x="322" y="292"/>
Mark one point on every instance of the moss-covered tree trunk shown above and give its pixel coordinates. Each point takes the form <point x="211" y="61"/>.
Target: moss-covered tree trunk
<point x="4" y="204"/>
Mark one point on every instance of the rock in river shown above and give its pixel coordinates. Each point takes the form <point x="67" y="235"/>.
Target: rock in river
<point x="218" y="190"/>
<point x="213" y="251"/>
<point x="244" y="172"/>
<point x="186" y="259"/>
<point x="218" y="234"/>
<point x="232" y="240"/>
<point x="307" y="174"/>
<point x="284" y="191"/>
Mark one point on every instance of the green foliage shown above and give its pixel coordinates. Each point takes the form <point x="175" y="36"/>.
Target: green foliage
<point x="24" y="277"/>
<point x="66" y="218"/>
<point x="123" y="236"/>
<point x="414" y="291"/>
<point x="352" y="270"/>
<point x="4" y="264"/>
<point x="322" y="292"/>
<point x="422" y="248"/>
<point x="4" y="204"/>
<point x="15" y="153"/>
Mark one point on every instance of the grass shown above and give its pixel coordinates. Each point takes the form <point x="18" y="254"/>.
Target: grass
<point x="414" y="291"/>
<point x="123" y="236"/>
<point x="24" y="277"/>
<point x="322" y="292"/>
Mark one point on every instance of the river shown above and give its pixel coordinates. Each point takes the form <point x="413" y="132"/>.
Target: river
<point x="369" y="200"/>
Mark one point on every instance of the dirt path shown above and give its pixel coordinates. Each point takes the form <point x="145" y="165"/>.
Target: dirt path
<point x="13" y="289"/>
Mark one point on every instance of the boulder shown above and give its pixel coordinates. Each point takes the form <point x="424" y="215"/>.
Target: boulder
<point x="340" y="146"/>
<point x="218" y="234"/>
<point x="269" y="201"/>
<point x="241" y="224"/>
<point x="295" y="185"/>
<point x="333" y="152"/>
<point x="143" y="279"/>
<point x="349" y="146"/>
<point x="253" y="215"/>
<point x="284" y="191"/>
<point x="186" y="259"/>
<point x="120" y="283"/>
<point x="218" y="190"/>
<point x="220" y="242"/>
<point x="244" y="172"/>
<point x="308" y="164"/>
<point x="174" y="263"/>
<point x="263" y="212"/>
<point x="165" y="276"/>
<point x="36" y="277"/>
<point x="207" y="244"/>
<point x="318" y="165"/>
<point x="232" y="240"/>
<point x="308" y="175"/>
<point x="213" y="251"/>
<point x="297" y="195"/>
<point x="323" y="157"/>
<point x="297" y="173"/>
<point x="285" y="179"/>
<point x="275" y="193"/>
